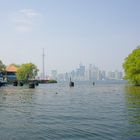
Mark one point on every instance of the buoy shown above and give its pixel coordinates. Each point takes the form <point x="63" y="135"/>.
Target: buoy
<point x="15" y="83"/>
<point x="20" y="83"/>
<point x="71" y="84"/>
<point x="36" y="83"/>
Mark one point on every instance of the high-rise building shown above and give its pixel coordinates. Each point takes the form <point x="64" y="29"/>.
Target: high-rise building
<point x="93" y="73"/>
<point x="115" y="75"/>
<point x="99" y="75"/>
<point x="54" y="74"/>
<point x="118" y="75"/>
<point x="67" y="77"/>
<point x="111" y="75"/>
<point x="103" y="75"/>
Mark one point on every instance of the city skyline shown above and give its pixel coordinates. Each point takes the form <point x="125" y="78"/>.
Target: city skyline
<point x="71" y="32"/>
<point x="86" y="73"/>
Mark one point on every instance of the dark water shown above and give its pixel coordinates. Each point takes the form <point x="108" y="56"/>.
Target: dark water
<point x="85" y="112"/>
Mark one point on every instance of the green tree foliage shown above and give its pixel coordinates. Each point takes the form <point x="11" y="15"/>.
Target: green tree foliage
<point x="131" y="67"/>
<point x="2" y="66"/>
<point x="27" y="72"/>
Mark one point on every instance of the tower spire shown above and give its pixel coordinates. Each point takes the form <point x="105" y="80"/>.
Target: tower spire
<point x="43" y="66"/>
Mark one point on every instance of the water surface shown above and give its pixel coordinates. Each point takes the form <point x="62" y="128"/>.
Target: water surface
<point x="58" y="112"/>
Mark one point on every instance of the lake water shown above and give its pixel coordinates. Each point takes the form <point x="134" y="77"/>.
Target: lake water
<point x="58" y="112"/>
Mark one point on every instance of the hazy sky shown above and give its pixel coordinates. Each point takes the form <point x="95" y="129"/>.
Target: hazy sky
<point x="99" y="32"/>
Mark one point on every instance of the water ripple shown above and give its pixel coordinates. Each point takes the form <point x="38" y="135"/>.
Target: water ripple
<point x="85" y="112"/>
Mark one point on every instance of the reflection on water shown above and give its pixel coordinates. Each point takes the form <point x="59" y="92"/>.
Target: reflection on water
<point x="85" y="112"/>
<point x="132" y="97"/>
<point x="132" y="89"/>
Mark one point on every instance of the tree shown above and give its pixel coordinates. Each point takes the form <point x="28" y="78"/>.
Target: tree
<point x="131" y="67"/>
<point x="2" y="67"/>
<point x="27" y="72"/>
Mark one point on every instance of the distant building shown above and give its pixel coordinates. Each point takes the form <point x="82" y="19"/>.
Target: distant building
<point x="118" y="75"/>
<point x="103" y="75"/>
<point x="115" y="75"/>
<point x="66" y="77"/>
<point x="81" y="71"/>
<point x="54" y="74"/>
<point x="61" y="77"/>
<point x="78" y="74"/>
<point x="93" y="73"/>
<point x="11" y="72"/>
<point x="111" y="75"/>
<point x="99" y="75"/>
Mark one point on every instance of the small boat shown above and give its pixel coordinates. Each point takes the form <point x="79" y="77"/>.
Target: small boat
<point x="71" y="84"/>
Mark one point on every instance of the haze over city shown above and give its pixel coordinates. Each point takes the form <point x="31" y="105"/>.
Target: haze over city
<point x="71" y="32"/>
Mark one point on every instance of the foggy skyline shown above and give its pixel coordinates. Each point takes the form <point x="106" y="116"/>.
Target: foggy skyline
<point x="99" y="32"/>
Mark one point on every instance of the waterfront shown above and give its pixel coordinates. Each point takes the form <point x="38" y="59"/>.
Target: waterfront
<point x="84" y="112"/>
